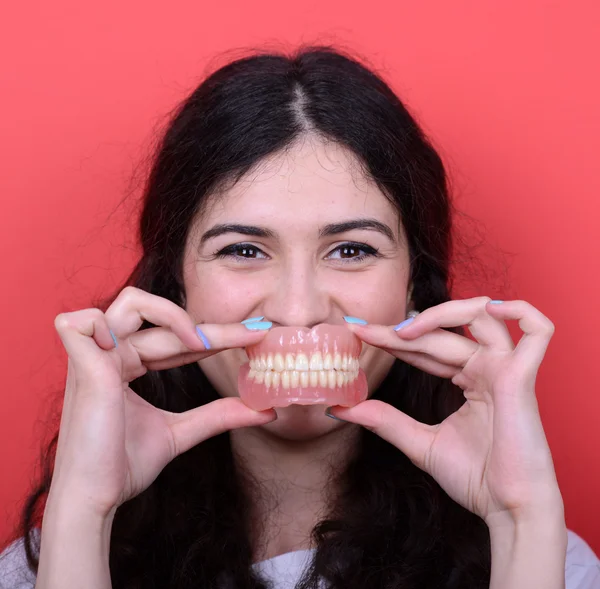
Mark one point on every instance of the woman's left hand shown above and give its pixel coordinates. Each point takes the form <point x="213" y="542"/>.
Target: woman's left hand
<point x="491" y="456"/>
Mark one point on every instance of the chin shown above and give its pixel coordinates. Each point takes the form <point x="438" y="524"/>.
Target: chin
<point x="302" y="423"/>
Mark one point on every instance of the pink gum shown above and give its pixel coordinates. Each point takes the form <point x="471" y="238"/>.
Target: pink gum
<point x="326" y="338"/>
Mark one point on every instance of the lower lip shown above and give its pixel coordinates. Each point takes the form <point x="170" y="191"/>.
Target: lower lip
<point x="258" y="397"/>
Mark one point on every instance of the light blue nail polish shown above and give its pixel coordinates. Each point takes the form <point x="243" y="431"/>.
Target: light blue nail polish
<point x="355" y="320"/>
<point x="114" y="338"/>
<point x="252" y="319"/>
<point x="404" y="324"/>
<point x="203" y="338"/>
<point x="257" y="325"/>
<point x="327" y="412"/>
<point x="496" y="302"/>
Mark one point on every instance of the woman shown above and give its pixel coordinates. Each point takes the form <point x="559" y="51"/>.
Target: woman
<point x="299" y="192"/>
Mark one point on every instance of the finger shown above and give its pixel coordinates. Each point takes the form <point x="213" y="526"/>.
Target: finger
<point x="84" y="334"/>
<point x="426" y="363"/>
<point x="445" y="347"/>
<point x="159" y="348"/>
<point x="196" y="425"/>
<point x="486" y="329"/>
<point x="86" y="338"/>
<point x="411" y="437"/>
<point x="133" y="306"/>
<point x="537" y="328"/>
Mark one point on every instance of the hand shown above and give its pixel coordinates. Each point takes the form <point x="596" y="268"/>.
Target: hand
<point x="112" y="443"/>
<point x="491" y="456"/>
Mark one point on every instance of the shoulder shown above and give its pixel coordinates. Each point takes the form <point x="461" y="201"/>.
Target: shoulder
<point x="582" y="570"/>
<point x="14" y="570"/>
<point x="285" y="570"/>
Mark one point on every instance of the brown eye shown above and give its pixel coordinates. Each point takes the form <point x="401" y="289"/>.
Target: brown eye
<point x="245" y="251"/>
<point x="353" y="252"/>
<point x="349" y="251"/>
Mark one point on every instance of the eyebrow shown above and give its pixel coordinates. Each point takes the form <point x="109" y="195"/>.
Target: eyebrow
<point x="235" y="228"/>
<point x="370" y="224"/>
<point x="328" y="230"/>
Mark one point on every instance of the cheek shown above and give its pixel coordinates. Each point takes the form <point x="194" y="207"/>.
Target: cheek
<point x="222" y="297"/>
<point x="378" y="296"/>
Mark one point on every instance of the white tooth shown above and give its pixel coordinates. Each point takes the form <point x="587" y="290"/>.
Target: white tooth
<point x="260" y="377"/>
<point x="328" y="362"/>
<point x="322" y="378"/>
<point x="346" y="377"/>
<point x="314" y="378"/>
<point x="345" y="362"/>
<point x="295" y="379"/>
<point x="339" y="378"/>
<point x="285" y="379"/>
<point x="252" y="373"/>
<point x="330" y="378"/>
<point x="270" y="362"/>
<point x="351" y="377"/>
<point x="316" y="361"/>
<point x="263" y="363"/>
<point x="276" y="379"/>
<point x="289" y="362"/>
<point x="337" y="362"/>
<point x="278" y="363"/>
<point x="303" y="379"/>
<point x="268" y="378"/>
<point x="252" y="367"/>
<point x="301" y="362"/>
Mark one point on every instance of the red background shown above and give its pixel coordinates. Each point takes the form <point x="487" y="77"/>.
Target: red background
<point x="509" y="92"/>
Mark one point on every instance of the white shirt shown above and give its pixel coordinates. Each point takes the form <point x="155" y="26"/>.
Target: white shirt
<point x="582" y="570"/>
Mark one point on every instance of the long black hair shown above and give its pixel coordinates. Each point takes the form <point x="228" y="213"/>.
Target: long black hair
<point x="391" y="526"/>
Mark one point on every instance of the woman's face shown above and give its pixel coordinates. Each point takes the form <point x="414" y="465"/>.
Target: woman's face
<point x="314" y="242"/>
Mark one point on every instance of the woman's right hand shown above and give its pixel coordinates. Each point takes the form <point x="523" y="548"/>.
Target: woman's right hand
<point x="112" y="443"/>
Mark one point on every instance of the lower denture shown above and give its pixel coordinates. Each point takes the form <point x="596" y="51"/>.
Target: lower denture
<point x="293" y="365"/>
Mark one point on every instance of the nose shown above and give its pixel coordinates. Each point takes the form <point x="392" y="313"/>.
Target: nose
<point x="297" y="299"/>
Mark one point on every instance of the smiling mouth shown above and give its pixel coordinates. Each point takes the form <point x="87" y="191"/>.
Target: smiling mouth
<point x="295" y="365"/>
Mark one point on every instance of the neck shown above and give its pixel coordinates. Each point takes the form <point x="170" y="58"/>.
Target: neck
<point x="294" y="483"/>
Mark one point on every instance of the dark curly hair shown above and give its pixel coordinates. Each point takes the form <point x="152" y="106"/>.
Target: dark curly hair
<point x="391" y="526"/>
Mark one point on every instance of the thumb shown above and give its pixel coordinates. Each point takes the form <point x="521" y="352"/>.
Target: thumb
<point x="410" y="436"/>
<point x="196" y="425"/>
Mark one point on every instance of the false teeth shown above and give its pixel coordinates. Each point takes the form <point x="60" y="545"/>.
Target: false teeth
<point x="297" y="365"/>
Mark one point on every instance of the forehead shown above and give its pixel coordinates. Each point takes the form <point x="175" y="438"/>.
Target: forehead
<point x="307" y="186"/>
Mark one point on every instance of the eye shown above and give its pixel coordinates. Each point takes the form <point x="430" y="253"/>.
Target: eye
<point x="241" y="250"/>
<point x="353" y="252"/>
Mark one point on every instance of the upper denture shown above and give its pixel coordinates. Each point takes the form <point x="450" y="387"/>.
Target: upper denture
<point x="299" y="365"/>
<point x="325" y="347"/>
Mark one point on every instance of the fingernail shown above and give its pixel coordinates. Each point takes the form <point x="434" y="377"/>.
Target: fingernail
<point x="328" y="413"/>
<point x="203" y="338"/>
<point x="404" y="324"/>
<point x="252" y="319"/>
<point x="495" y="302"/>
<point x="114" y="338"/>
<point x="355" y="320"/>
<point x="256" y="325"/>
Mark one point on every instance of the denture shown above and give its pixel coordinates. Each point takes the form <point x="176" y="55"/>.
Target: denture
<point x="297" y="365"/>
